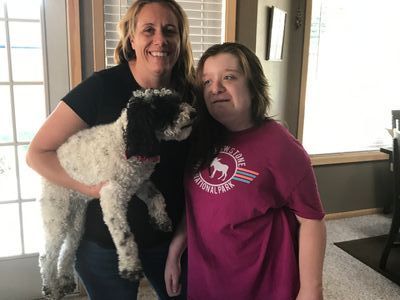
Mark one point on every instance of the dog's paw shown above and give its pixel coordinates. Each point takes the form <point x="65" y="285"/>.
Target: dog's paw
<point x="166" y="225"/>
<point x="46" y="291"/>
<point x="134" y="275"/>
<point x="163" y="224"/>
<point x="67" y="285"/>
<point x="50" y="294"/>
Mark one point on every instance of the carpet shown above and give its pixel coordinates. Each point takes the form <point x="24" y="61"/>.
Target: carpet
<point x="369" y="250"/>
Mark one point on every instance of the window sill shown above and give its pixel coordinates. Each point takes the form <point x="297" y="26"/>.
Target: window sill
<point x="347" y="157"/>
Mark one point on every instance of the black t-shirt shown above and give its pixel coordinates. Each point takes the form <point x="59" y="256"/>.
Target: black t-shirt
<point x="99" y="100"/>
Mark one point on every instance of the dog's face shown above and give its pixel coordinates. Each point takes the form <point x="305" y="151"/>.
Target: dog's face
<point x="155" y="115"/>
<point x="178" y="125"/>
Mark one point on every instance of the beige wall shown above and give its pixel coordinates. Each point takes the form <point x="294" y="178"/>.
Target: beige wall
<point x="277" y="72"/>
<point x="284" y="76"/>
<point x="343" y="187"/>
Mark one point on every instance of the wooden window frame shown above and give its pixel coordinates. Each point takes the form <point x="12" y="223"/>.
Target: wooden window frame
<point x="329" y="158"/>
<point x="74" y="42"/>
<point x="230" y="20"/>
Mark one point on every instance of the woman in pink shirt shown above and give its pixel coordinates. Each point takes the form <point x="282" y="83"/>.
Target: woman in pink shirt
<point x="255" y="227"/>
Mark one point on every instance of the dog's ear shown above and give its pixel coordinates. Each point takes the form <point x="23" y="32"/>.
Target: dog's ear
<point x="140" y="137"/>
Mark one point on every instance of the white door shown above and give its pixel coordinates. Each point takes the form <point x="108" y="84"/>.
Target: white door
<point x="33" y="77"/>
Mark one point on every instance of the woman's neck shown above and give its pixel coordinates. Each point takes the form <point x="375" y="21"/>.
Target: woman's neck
<point x="146" y="80"/>
<point x="237" y="127"/>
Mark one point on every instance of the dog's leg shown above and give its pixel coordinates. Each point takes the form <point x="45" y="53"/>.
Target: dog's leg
<point x="114" y="203"/>
<point x="155" y="203"/>
<point x="54" y="209"/>
<point x="75" y="224"/>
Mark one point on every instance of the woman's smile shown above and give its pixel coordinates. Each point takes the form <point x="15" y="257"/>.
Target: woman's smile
<point x="158" y="53"/>
<point x="156" y="42"/>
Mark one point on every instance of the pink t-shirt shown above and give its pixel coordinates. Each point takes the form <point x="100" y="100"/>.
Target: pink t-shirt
<point x="242" y="229"/>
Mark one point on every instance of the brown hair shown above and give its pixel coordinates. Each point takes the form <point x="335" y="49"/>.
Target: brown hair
<point x="210" y="135"/>
<point x="183" y="71"/>
<point x="253" y="71"/>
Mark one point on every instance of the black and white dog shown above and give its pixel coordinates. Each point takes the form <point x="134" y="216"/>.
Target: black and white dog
<point x="123" y="154"/>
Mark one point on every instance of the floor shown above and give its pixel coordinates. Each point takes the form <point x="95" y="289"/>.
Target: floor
<point x="348" y="278"/>
<point x="345" y="278"/>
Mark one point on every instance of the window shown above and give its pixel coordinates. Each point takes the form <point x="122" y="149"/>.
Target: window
<point x="206" y="21"/>
<point x="352" y="80"/>
<point x="22" y="110"/>
<point x="33" y="48"/>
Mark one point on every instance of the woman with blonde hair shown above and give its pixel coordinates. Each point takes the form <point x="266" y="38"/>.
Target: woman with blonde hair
<point x="153" y="52"/>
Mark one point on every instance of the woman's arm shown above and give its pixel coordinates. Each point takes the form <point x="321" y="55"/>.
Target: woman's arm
<point x="173" y="264"/>
<point x="41" y="156"/>
<point x="312" y="241"/>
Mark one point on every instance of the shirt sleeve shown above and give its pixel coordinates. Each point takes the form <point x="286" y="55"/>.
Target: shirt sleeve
<point x="304" y="200"/>
<point x="85" y="99"/>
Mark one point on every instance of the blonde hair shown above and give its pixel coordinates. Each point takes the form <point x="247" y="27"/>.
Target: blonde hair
<point x="126" y="28"/>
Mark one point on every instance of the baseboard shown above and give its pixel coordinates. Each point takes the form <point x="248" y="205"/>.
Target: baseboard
<point x="353" y="213"/>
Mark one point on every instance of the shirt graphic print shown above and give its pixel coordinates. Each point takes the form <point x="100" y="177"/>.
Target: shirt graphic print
<point x="226" y="171"/>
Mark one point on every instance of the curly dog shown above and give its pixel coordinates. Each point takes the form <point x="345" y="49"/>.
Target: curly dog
<point x="123" y="154"/>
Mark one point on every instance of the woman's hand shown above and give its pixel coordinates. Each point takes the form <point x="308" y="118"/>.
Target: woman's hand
<point x="172" y="275"/>
<point x="312" y="241"/>
<point x="310" y="294"/>
<point x="93" y="191"/>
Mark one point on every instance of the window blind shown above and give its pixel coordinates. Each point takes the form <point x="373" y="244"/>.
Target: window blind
<point x="206" y="22"/>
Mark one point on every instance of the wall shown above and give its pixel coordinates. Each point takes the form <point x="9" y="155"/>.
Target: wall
<point x="85" y="8"/>
<point x="343" y="187"/>
<point x="283" y="76"/>
<point x="347" y="187"/>
<point x="56" y="53"/>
